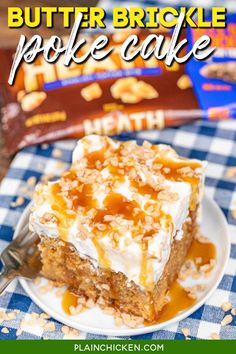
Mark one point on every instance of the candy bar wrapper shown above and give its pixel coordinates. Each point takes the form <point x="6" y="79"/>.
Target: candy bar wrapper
<point x="50" y="101"/>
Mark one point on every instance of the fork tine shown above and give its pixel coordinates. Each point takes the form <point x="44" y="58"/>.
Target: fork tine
<point x="21" y="235"/>
<point x="29" y="238"/>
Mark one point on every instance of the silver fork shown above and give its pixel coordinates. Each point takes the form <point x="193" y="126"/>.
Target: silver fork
<point x="21" y="258"/>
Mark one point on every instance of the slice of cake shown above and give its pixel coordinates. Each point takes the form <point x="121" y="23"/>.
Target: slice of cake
<point x="118" y="224"/>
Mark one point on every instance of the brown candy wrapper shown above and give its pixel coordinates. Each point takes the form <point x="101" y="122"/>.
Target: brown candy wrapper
<point x="50" y="101"/>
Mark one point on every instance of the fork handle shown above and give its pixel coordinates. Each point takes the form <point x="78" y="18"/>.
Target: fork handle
<point x="5" y="279"/>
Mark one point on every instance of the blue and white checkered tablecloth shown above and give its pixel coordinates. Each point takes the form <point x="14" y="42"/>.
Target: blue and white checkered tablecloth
<point x="211" y="141"/>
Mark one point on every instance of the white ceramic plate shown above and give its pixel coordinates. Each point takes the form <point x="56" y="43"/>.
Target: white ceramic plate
<point x="214" y="226"/>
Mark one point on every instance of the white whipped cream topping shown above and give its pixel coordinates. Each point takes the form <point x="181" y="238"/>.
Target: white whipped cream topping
<point x="127" y="257"/>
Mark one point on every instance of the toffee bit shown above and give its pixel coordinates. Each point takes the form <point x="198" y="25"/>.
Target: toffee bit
<point x="90" y="303"/>
<point x="46" y="178"/>
<point x="118" y="321"/>
<point x="18" y="202"/>
<point x="48" y="218"/>
<point x="37" y="280"/>
<point x="70" y="332"/>
<point x="60" y="293"/>
<point x="31" y="181"/>
<point x="186" y="331"/>
<point x="226" y="320"/>
<point x="49" y="327"/>
<point x="233" y="213"/>
<point x="109" y="310"/>
<point x="226" y="306"/>
<point x="56" y="153"/>
<point x="65" y="329"/>
<point x="5" y="330"/>
<point x="214" y="335"/>
<point x="231" y="172"/>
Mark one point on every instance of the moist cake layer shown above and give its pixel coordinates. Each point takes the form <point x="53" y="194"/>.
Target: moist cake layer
<point x="121" y="205"/>
<point x="61" y="263"/>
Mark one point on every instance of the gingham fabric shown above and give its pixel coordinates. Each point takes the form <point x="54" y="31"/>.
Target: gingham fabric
<point x="214" y="142"/>
<point x="211" y="141"/>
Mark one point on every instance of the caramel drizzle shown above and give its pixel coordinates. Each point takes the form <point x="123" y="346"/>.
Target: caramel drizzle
<point x="66" y="216"/>
<point x="115" y="203"/>
<point x="103" y="259"/>
<point x="143" y="277"/>
<point x="145" y="268"/>
<point x="59" y="207"/>
<point x="79" y="198"/>
<point x="95" y="158"/>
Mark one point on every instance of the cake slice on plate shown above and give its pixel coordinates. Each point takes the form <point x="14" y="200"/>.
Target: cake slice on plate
<point x="118" y="224"/>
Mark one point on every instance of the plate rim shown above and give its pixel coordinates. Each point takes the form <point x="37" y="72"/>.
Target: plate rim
<point x="122" y="332"/>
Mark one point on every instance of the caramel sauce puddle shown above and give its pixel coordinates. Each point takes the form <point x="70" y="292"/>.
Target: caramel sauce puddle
<point x="69" y="299"/>
<point x="205" y="251"/>
<point x="179" y="299"/>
